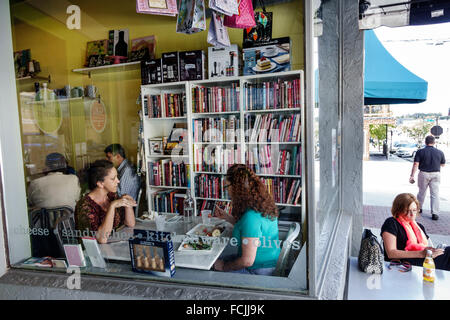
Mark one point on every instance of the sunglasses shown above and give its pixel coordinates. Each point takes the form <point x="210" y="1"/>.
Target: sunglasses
<point x="404" y="266"/>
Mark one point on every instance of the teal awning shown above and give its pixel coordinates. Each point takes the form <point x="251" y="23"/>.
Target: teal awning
<point x="386" y="81"/>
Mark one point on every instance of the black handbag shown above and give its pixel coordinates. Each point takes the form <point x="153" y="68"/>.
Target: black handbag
<point x="370" y="258"/>
<point x="262" y="32"/>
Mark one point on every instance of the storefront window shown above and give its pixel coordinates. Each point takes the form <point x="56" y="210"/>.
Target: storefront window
<point x="84" y="83"/>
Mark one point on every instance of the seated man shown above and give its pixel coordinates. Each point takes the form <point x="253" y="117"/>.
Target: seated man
<point x="130" y="182"/>
<point x="55" y="189"/>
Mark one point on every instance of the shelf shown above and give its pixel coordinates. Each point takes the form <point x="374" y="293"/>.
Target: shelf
<point x="168" y="187"/>
<point x="274" y="110"/>
<point x="107" y="68"/>
<point x="218" y="143"/>
<point x="278" y="175"/>
<point x="289" y="205"/>
<point x="212" y="199"/>
<point x="176" y="156"/>
<point x="34" y="77"/>
<point x="58" y="100"/>
<point x="213" y="113"/>
<point x="205" y="172"/>
<point x="167" y="118"/>
<point x="274" y="143"/>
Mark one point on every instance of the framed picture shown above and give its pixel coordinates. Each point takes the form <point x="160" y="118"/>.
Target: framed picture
<point x="156" y="146"/>
<point x="96" y="52"/>
<point x="157" y="4"/>
<point x="143" y="48"/>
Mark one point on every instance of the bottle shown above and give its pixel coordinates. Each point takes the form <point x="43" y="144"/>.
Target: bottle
<point x="188" y="207"/>
<point x="429" y="267"/>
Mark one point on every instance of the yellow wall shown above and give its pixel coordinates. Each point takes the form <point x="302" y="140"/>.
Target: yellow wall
<point x="39" y="25"/>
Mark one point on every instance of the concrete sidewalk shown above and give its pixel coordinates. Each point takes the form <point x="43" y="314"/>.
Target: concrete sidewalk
<point x="439" y="231"/>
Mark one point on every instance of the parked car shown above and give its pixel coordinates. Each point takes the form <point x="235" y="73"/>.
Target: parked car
<point x="407" y="150"/>
<point x="396" y="145"/>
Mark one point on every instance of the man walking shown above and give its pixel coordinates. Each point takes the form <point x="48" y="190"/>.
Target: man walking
<point x="429" y="160"/>
<point x="129" y="180"/>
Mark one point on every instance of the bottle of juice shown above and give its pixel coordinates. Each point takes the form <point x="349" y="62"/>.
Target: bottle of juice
<point x="429" y="267"/>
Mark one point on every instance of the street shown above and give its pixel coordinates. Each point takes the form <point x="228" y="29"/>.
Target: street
<point x="383" y="179"/>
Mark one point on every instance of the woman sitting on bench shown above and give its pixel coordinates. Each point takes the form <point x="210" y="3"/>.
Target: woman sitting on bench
<point x="406" y="239"/>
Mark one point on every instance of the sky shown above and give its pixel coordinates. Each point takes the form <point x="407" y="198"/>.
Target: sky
<point x="425" y="51"/>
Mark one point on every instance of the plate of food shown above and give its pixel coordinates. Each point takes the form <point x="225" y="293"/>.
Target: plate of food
<point x="203" y="230"/>
<point x="264" y="65"/>
<point x="197" y="245"/>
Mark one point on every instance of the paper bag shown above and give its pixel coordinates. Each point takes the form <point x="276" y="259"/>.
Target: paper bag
<point x="245" y="18"/>
<point x="191" y="16"/>
<point x="218" y="34"/>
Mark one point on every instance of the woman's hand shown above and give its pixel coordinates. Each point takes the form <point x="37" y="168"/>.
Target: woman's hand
<point x="124" y="201"/>
<point x="435" y="252"/>
<point x="218" y="265"/>
<point x="221" y="214"/>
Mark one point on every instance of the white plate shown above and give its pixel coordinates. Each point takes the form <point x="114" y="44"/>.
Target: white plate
<point x="272" y="66"/>
<point x="189" y="249"/>
<point x="197" y="231"/>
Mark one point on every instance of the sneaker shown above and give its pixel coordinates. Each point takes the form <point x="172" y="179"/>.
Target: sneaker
<point x="434" y="216"/>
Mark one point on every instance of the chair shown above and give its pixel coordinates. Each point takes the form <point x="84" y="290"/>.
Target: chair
<point x="48" y="219"/>
<point x="138" y="201"/>
<point x="283" y="259"/>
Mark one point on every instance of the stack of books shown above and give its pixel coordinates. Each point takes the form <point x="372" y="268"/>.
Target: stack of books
<point x="167" y="173"/>
<point x="168" y="201"/>
<point x="284" y="190"/>
<point x="273" y="128"/>
<point x="215" y="99"/>
<point x="273" y="95"/>
<point x="210" y="186"/>
<point x="167" y="105"/>
<point x="270" y="160"/>
<point x="217" y="129"/>
<point x="216" y="158"/>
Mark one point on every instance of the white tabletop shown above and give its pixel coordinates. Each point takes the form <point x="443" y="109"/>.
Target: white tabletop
<point x="395" y="285"/>
<point x="204" y="260"/>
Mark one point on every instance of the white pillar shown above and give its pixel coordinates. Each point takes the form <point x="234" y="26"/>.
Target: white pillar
<point x="11" y="162"/>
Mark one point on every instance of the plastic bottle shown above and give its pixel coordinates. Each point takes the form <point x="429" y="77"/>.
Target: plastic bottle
<point x="429" y="267"/>
<point x="188" y="207"/>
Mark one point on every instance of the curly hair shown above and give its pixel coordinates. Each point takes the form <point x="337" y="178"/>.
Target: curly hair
<point x="248" y="191"/>
<point x="95" y="172"/>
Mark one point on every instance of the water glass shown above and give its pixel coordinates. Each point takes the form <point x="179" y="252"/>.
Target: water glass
<point x="206" y="217"/>
<point x="160" y="222"/>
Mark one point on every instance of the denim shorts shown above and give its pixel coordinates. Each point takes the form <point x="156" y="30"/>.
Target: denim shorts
<point x="258" y="271"/>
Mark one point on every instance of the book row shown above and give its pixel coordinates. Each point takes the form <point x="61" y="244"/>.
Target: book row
<point x="216" y="129"/>
<point x="166" y="105"/>
<point x="210" y="186"/>
<point x="272" y="95"/>
<point x="216" y="158"/>
<point x="168" y="201"/>
<point x="270" y="160"/>
<point x="273" y="128"/>
<point x="215" y="99"/>
<point x="284" y="190"/>
<point x="167" y="173"/>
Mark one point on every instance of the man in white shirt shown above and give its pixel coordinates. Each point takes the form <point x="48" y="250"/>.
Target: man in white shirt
<point x="55" y="189"/>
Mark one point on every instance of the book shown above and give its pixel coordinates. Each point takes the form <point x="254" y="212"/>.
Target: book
<point x="74" y="255"/>
<point x="93" y="251"/>
<point x="45" y="262"/>
<point x="143" y="49"/>
<point x="96" y="52"/>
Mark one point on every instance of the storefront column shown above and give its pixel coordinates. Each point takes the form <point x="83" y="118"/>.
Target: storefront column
<point x="11" y="163"/>
<point x="341" y="74"/>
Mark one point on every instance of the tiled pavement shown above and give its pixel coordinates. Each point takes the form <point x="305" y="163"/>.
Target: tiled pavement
<point x="374" y="217"/>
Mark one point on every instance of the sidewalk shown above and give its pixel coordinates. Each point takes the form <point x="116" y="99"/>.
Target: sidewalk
<point x="374" y="217"/>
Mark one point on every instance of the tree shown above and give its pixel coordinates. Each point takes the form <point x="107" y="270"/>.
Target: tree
<point x="378" y="132"/>
<point x="418" y="132"/>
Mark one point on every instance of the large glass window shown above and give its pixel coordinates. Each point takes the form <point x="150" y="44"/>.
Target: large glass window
<point x="81" y="88"/>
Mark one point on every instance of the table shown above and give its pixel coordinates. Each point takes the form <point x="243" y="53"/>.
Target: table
<point x="119" y="250"/>
<point x="395" y="285"/>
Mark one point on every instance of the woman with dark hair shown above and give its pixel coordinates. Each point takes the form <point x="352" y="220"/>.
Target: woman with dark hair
<point x="101" y="210"/>
<point x="405" y="239"/>
<point x="255" y="218"/>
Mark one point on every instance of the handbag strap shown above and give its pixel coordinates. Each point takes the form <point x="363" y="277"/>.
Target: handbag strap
<point x="261" y="3"/>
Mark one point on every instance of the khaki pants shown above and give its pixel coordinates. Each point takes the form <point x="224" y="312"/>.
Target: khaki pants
<point x="432" y="180"/>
